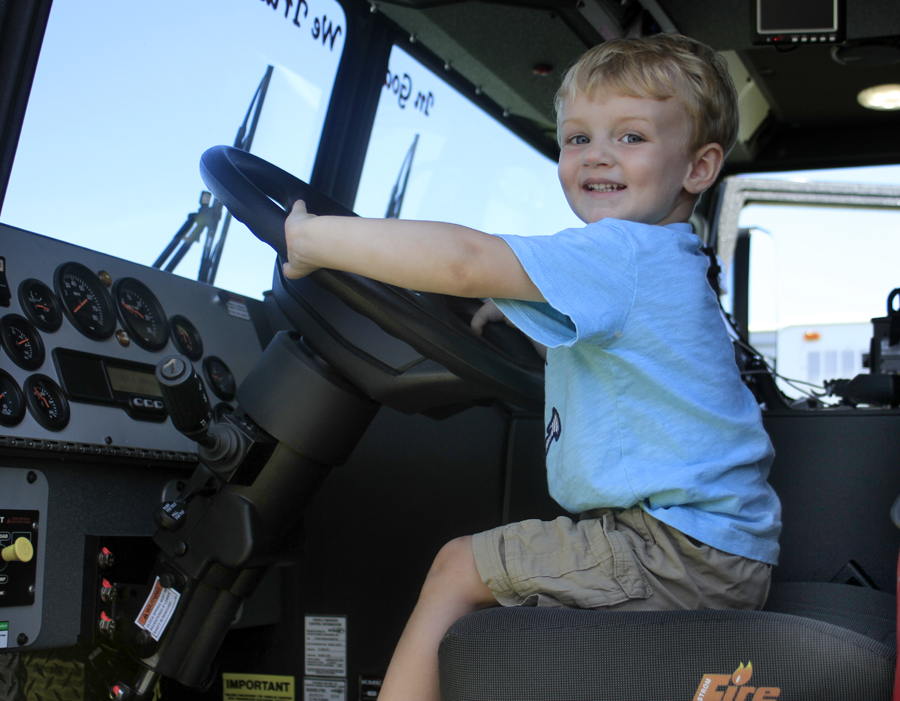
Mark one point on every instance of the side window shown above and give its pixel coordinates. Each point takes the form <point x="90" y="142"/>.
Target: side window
<point x="128" y="95"/>
<point x="817" y="276"/>
<point x="435" y="155"/>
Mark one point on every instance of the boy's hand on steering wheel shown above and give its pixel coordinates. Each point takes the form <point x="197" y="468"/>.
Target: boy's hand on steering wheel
<point x="294" y="232"/>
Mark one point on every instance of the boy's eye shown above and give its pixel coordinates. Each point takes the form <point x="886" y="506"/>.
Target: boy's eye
<point x="632" y="139"/>
<point x="578" y="139"/>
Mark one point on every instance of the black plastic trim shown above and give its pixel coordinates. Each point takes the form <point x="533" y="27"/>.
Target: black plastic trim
<point x="22" y="27"/>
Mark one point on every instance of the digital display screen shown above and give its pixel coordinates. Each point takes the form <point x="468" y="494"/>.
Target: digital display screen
<point x="133" y="381"/>
<point x="798" y="16"/>
<point x="82" y="376"/>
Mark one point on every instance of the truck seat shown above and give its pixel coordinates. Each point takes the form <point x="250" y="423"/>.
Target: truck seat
<point x="813" y="641"/>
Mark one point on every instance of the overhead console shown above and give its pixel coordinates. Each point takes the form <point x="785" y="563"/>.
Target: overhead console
<point x="82" y="333"/>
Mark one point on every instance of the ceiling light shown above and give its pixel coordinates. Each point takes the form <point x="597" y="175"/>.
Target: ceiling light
<point x="880" y="97"/>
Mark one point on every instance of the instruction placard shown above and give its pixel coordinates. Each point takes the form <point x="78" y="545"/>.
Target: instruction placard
<point x="257" y="687"/>
<point x="324" y="690"/>
<point x="4" y="634"/>
<point x="158" y="610"/>
<point x="326" y="646"/>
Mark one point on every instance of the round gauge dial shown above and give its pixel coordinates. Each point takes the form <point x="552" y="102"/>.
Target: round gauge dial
<point x="141" y="313"/>
<point x="40" y="305"/>
<point x="219" y="377"/>
<point x="12" y="402"/>
<point x="186" y="338"/>
<point x="85" y="300"/>
<point x="21" y="341"/>
<point x="46" y="402"/>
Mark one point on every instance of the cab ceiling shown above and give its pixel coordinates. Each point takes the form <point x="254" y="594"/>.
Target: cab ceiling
<point x="814" y="121"/>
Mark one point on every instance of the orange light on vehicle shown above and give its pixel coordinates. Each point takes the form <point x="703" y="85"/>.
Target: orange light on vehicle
<point x="812" y="336"/>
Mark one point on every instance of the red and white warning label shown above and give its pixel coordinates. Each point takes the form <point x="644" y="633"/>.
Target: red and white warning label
<point x="158" y="610"/>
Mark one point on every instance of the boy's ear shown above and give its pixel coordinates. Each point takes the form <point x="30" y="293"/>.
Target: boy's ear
<point x="706" y="164"/>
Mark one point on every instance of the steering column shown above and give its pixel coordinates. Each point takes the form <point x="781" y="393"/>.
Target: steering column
<point x="238" y="514"/>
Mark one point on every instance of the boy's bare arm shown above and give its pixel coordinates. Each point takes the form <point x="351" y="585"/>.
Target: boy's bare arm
<point x="424" y="256"/>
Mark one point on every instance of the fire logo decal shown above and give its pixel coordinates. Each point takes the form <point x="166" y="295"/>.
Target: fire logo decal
<point x="734" y="687"/>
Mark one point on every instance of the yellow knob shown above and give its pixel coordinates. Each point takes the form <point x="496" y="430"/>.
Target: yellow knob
<point x="20" y="551"/>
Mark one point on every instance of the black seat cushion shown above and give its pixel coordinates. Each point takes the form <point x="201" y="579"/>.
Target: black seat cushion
<point x="826" y="652"/>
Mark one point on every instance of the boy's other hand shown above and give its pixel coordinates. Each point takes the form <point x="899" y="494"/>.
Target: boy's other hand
<point x="294" y="232"/>
<point x="488" y="313"/>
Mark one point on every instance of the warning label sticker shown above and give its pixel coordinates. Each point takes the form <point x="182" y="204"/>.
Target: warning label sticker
<point x="158" y="610"/>
<point x="257" y="687"/>
<point x="235" y="305"/>
<point x="326" y="646"/>
<point x="324" y="690"/>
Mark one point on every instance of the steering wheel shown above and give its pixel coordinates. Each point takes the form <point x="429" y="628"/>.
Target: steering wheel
<point x="502" y="364"/>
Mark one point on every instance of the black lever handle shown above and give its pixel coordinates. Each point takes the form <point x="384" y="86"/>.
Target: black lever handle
<point x="186" y="399"/>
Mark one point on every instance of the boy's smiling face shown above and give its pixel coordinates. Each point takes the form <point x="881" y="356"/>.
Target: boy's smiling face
<point x="627" y="158"/>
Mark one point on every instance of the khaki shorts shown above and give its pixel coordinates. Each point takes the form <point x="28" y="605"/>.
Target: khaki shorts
<point x="611" y="558"/>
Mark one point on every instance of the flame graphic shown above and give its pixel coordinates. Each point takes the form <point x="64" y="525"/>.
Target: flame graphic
<point x="742" y="674"/>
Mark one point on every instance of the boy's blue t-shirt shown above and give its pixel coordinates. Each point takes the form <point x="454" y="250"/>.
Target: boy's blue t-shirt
<point x="644" y="400"/>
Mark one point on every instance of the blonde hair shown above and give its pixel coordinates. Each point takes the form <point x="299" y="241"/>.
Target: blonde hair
<point x="659" y="67"/>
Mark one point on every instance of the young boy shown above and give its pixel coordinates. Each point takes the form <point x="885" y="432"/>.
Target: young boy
<point x="651" y="436"/>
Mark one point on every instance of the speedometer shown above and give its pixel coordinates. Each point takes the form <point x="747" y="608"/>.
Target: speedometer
<point x="141" y="313"/>
<point x="85" y="300"/>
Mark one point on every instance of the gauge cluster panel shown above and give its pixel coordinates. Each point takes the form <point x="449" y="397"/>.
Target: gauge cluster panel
<point x="81" y="334"/>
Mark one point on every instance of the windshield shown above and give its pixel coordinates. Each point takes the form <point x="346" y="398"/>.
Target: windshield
<point x="435" y="155"/>
<point x="126" y="98"/>
<point x="817" y="276"/>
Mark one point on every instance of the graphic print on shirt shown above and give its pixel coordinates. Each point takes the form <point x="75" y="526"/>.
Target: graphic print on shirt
<point x="554" y="429"/>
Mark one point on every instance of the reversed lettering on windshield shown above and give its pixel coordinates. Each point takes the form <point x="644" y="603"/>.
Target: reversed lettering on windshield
<point x="402" y="87"/>
<point x="321" y="29"/>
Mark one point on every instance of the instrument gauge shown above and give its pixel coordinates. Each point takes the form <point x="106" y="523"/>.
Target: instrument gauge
<point x="21" y="341"/>
<point x="141" y="314"/>
<point x="46" y="402"/>
<point x="12" y="402"/>
<point x="85" y="301"/>
<point x="40" y="305"/>
<point x="186" y="338"/>
<point x="220" y="378"/>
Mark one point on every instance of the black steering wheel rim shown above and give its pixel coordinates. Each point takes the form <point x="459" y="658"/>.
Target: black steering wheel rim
<point x="250" y="188"/>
